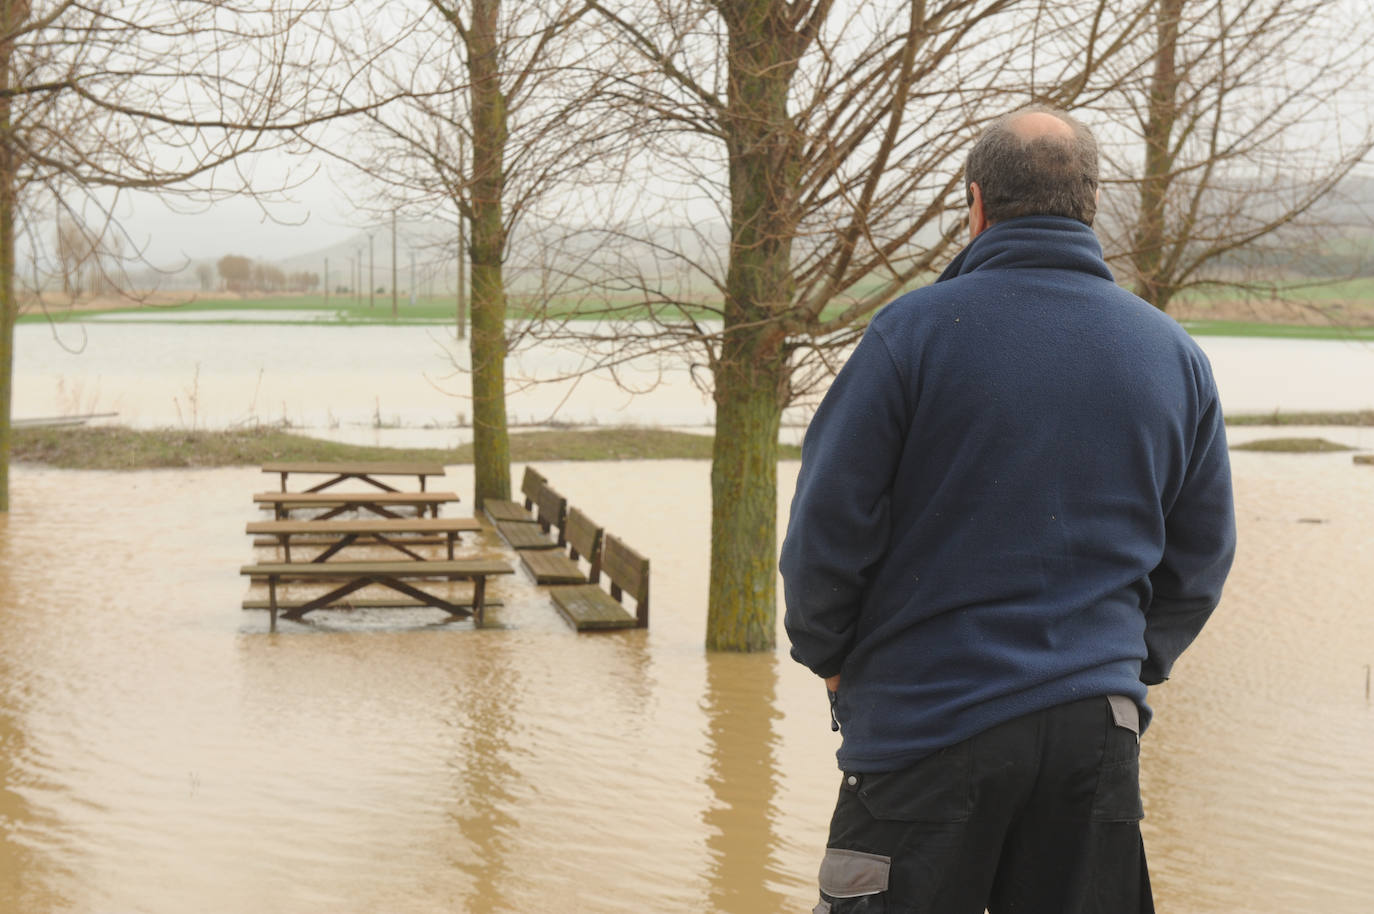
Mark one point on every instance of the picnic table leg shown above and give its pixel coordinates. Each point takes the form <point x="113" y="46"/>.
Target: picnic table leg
<point x="285" y="539"/>
<point x="283" y="480"/>
<point x="452" y="535"/>
<point x="479" y="599"/>
<point x="272" y="598"/>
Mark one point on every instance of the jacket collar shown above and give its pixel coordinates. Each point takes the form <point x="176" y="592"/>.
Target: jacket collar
<point x="1030" y="242"/>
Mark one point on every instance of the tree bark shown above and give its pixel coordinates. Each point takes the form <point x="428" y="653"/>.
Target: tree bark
<point x="487" y="345"/>
<point x="12" y="14"/>
<point x="1151" y="234"/>
<point x="751" y="371"/>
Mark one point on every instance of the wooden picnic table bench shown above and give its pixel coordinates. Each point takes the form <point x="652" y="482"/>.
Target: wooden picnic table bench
<point x="398" y="576"/>
<point x="589" y="607"/>
<point x="551" y="511"/>
<point x="364" y="471"/>
<point x="336" y="503"/>
<point x="340" y="534"/>
<point x="501" y="510"/>
<point x="554" y="566"/>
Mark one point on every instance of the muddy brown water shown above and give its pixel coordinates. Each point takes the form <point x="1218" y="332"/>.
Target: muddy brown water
<point x="160" y="751"/>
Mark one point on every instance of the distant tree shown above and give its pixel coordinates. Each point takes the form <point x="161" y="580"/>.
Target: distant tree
<point x="1251" y="114"/>
<point x="73" y="253"/>
<point x="205" y="274"/>
<point x="236" y="272"/>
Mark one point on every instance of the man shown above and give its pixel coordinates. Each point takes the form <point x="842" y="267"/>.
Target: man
<point x="1013" y="514"/>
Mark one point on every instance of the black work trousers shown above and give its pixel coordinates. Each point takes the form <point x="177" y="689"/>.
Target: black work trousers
<point x="1039" y="815"/>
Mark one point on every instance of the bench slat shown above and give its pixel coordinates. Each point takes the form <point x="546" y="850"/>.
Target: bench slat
<point x="371" y="468"/>
<point x="590" y="608"/>
<point x="316" y="499"/>
<point x="335" y="570"/>
<point x="380" y="525"/>
<point x="525" y="536"/>
<point x="355" y="601"/>
<point x="508" y="511"/>
<point x="551" y="567"/>
<point x="626" y="568"/>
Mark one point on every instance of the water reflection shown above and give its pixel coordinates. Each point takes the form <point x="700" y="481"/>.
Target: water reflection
<point x="486" y="779"/>
<point x="741" y="708"/>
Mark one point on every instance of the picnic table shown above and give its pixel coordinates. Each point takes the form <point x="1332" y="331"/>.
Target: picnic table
<point x="340" y="534"/>
<point x="402" y="577"/>
<point x="335" y="503"/>
<point x="364" y="471"/>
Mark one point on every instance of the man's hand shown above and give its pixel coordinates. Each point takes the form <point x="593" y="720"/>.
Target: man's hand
<point x="833" y="683"/>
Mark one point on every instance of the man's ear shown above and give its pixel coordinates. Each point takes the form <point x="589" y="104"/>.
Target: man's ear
<point x="977" y="218"/>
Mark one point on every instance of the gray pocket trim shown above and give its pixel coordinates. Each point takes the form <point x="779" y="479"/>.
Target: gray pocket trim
<point x="1125" y="712"/>
<point x="849" y="874"/>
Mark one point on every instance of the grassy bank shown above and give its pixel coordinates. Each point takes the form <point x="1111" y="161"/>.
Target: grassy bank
<point x="1356" y="418"/>
<point x="1336" y="311"/>
<point x="1292" y="446"/>
<point x="117" y="448"/>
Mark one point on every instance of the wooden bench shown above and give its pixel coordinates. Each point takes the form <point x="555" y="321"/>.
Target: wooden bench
<point x="551" y="511"/>
<point x="364" y="472"/>
<point x="340" y="534"/>
<point x="336" y="503"/>
<point x="398" y="576"/>
<point x="552" y="566"/>
<point x="501" y="510"/>
<point x="588" y="607"/>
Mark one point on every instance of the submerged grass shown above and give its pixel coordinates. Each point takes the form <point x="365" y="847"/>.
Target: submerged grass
<point x="1363" y="418"/>
<point x="120" y="448"/>
<point x="1292" y="446"/>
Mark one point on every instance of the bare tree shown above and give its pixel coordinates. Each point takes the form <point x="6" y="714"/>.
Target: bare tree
<point x="490" y="117"/>
<point x="827" y="140"/>
<point x="99" y="99"/>
<point x="1239" y="131"/>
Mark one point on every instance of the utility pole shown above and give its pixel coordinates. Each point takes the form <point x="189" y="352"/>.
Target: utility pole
<point x="393" y="264"/>
<point x="371" y="274"/>
<point x="326" y="282"/>
<point x="462" y="248"/>
<point x="414" y="289"/>
<point x="358" y="287"/>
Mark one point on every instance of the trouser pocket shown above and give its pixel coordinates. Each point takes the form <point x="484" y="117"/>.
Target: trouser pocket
<point x="853" y="882"/>
<point x="1117" y="797"/>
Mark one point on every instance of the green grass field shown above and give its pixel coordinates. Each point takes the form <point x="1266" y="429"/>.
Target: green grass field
<point x="1347" y="306"/>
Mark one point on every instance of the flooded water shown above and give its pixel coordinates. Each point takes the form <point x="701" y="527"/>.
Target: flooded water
<point x="405" y="385"/>
<point x="161" y="751"/>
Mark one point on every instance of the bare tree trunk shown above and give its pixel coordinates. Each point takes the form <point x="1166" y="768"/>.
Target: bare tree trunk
<point x="1151" y="231"/>
<point x="12" y="13"/>
<point x="764" y="165"/>
<point x="490" y="438"/>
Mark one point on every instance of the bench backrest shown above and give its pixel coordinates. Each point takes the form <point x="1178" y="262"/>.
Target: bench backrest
<point x="551" y="511"/>
<point x="629" y="573"/>
<point x="530" y="484"/>
<point x="584" y="541"/>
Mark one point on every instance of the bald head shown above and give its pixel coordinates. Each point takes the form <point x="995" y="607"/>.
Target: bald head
<point x="1035" y="162"/>
<point x="1033" y="124"/>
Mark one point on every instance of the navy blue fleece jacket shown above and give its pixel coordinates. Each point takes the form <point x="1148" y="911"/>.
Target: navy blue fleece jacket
<point x="1015" y="494"/>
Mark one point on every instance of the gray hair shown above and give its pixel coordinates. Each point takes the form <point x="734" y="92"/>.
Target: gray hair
<point x="1047" y="175"/>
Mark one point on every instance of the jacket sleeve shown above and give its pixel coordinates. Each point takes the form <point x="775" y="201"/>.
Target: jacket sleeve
<point x="839" y="526"/>
<point x="1200" y="542"/>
